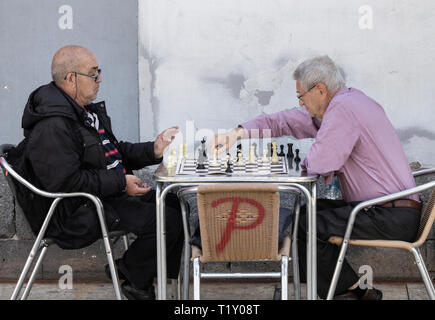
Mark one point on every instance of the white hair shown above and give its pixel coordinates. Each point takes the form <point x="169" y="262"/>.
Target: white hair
<point x="320" y="69"/>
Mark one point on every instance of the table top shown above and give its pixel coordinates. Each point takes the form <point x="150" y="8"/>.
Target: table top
<point x="163" y="174"/>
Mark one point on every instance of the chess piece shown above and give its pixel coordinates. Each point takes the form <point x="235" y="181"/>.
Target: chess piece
<point x="174" y="154"/>
<point x="297" y="158"/>
<point x="269" y="149"/>
<point x="185" y="151"/>
<point x="281" y="154"/>
<point x="239" y="147"/>
<point x="239" y="159"/>
<point x="252" y="157"/>
<point x="290" y="150"/>
<point x="227" y="160"/>
<point x="274" y="157"/>
<point x="229" y="170"/>
<point x="215" y="162"/>
<point x="265" y="158"/>
<point x="170" y="163"/>
<point x="180" y="152"/>
<point x="202" y="156"/>
<point x="255" y="149"/>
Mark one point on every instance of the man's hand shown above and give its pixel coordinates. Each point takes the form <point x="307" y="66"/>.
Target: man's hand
<point x="224" y="141"/>
<point x="135" y="187"/>
<point x="163" y="140"/>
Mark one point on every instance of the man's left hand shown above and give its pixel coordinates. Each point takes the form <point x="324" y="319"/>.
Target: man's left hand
<point x="163" y="140"/>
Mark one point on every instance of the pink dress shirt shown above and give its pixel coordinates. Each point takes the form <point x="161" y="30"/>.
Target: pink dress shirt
<point x="355" y="140"/>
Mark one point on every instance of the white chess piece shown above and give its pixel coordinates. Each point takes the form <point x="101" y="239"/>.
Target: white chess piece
<point x="265" y="159"/>
<point x="275" y="157"/>
<point x="170" y="163"/>
<point x="185" y="151"/>
<point x="252" y="158"/>
<point x="215" y="162"/>
<point x="227" y="158"/>
<point x="180" y="152"/>
<point x="239" y="159"/>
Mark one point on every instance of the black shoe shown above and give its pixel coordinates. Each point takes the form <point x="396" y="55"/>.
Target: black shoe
<point x="371" y="294"/>
<point x="132" y="293"/>
<point x="120" y="274"/>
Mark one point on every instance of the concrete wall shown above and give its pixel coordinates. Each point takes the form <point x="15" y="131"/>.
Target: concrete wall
<point x="219" y="63"/>
<point x="32" y="31"/>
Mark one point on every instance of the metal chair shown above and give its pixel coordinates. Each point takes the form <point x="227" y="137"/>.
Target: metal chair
<point x="239" y="222"/>
<point x="41" y="243"/>
<point x="426" y="222"/>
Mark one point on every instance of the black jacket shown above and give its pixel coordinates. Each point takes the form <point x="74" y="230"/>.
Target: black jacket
<point x="63" y="153"/>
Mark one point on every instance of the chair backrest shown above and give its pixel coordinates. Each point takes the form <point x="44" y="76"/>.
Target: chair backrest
<point x="238" y="222"/>
<point x="426" y="221"/>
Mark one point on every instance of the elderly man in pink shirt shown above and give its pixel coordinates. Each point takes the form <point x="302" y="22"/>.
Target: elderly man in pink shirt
<point x="355" y="141"/>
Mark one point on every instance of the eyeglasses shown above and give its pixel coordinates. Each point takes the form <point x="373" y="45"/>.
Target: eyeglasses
<point x="302" y="95"/>
<point x="95" y="77"/>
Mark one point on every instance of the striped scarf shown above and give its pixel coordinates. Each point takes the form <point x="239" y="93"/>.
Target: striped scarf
<point x="113" y="157"/>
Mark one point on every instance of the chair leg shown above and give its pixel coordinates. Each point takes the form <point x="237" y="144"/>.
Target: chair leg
<point x="424" y="273"/>
<point x="186" y="265"/>
<point x="284" y="278"/>
<point x="337" y="270"/>
<point x="196" y="279"/>
<point x="113" y="270"/>
<point x="179" y="287"/>
<point x="186" y="271"/>
<point x="34" y="272"/>
<point x="35" y="249"/>
<point x="295" y="256"/>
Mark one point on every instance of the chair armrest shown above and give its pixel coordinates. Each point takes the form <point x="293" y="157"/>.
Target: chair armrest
<point x="369" y="203"/>
<point x="423" y="172"/>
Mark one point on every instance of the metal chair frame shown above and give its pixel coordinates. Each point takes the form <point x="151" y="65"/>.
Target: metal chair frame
<point x="415" y="250"/>
<point x="41" y="243"/>
<point x="197" y="275"/>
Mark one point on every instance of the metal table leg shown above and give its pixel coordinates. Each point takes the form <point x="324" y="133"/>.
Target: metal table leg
<point x="160" y="258"/>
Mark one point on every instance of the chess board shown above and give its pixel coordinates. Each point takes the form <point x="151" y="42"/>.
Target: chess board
<point x="188" y="167"/>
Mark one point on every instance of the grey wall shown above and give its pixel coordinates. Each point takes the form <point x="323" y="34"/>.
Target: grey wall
<point x="220" y="63"/>
<point x="32" y="31"/>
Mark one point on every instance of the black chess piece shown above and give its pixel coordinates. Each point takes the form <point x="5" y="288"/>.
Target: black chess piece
<point x="269" y="150"/>
<point x="290" y="162"/>
<point x="290" y="153"/>
<point x="255" y="149"/>
<point x="297" y="158"/>
<point x="229" y="170"/>
<point x="281" y="153"/>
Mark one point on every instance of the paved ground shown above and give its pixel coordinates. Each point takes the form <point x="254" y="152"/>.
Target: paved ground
<point x="211" y="290"/>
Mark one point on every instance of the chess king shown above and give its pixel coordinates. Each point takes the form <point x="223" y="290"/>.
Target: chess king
<point x="355" y="141"/>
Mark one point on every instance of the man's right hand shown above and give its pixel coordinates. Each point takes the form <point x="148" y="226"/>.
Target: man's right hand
<point x="135" y="187"/>
<point x="224" y="141"/>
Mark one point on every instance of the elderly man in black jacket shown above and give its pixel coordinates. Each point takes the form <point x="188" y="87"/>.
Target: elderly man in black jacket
<point x="71" y="148"/>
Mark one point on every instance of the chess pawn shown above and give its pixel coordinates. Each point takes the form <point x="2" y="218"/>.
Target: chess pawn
<point x="252" y="158"/>
<point x="227" y="160"/>
<point x="180" y="152"/>
<point x="275" y="157"/>
<point x="170" y="163"/>
<point x="265" y="158"/>
<point x="174" y="154"/>
<point x="239" y="159"/>
<point x="297" y="158"/>
<point x="185" y="151"/>
<point x="281" y="154"/>
<point x="215" y="162"/>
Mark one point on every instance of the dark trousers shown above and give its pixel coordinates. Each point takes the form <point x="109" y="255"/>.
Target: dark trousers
<point x="332" y="216"/>
<point x="138" y="216"/>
